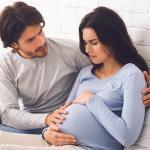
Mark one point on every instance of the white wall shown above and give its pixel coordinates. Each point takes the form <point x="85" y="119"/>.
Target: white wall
<point x="63" y="17"/>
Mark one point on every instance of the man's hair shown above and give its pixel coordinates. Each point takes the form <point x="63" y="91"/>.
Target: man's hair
<point x="14" y="20"/>
<point x="112" y="33"/>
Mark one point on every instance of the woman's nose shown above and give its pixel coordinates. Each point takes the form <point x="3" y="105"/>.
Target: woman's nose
<point x="88" y="48"/>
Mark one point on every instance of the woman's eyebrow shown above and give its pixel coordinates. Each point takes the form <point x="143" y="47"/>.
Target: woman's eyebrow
<point x="92" y="40"/>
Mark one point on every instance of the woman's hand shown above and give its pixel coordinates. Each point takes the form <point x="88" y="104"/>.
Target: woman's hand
<point x="83" y="97"/>
<point x="146" y="91"/>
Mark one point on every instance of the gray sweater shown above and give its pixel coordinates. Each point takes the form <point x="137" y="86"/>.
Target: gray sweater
<point x="31" y="88"/>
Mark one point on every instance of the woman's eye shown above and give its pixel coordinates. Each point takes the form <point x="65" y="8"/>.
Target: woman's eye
<point x="94" y="43"/>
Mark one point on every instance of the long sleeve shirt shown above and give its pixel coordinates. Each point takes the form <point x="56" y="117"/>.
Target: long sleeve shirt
<point x="39" y="85"/>
<point x="114" y="116"/>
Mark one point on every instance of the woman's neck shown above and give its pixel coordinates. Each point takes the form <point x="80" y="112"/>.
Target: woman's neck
<point x="107" y="69"/>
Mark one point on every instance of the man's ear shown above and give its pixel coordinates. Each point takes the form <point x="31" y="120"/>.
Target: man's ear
<point x="14" y="45"/>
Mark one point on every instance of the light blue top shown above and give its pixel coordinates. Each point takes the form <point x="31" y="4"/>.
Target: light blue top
<point x="111" y="119"/>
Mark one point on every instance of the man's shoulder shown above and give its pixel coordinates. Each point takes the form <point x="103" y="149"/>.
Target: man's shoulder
<point x="5" y="56"/>
<point x="65" y="44"/>
<point x="61" y="41"/>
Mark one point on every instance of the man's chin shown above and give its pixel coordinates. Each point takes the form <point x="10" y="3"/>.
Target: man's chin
<point x="42" y="54"/>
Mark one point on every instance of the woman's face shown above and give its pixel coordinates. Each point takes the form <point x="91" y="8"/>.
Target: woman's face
<point x="97" y="52"/>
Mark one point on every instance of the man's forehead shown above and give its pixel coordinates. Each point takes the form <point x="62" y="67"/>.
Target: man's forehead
<point x="30" y="32"/>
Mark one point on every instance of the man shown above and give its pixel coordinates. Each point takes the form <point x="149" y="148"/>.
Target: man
<point x="38" y="73"/>
<point x="146" y="98"/>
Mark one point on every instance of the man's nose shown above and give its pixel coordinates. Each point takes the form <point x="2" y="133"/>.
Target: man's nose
<point x="40" y="40"/>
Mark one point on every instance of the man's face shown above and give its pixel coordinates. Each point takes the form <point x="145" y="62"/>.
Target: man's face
<point x="32" y="43"/>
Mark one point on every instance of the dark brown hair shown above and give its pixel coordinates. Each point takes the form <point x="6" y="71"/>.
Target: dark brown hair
<point x="111" y="31"/>
<point x="14" y="19"/>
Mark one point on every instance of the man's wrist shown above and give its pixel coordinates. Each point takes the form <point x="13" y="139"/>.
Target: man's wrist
<point x="43" y="133"/>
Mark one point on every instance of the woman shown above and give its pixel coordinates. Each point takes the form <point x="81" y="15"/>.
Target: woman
<point x="107" y="111"/>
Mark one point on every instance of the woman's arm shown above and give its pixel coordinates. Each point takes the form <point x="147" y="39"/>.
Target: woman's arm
<point x="126" y="128"/>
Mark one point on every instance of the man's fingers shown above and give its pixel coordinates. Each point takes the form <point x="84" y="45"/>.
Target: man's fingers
<point x="146" y="97"/>
<point x="147" y="77"/>
<point x="61" y="142"/>
<point x="64" y="136"/>
<point x="55" y="138"/>
<point x="58" y="118"/>
<point x="147" y="102"/>
<point x="53" y="127"/>
<point x="145" y="74"/>
<point x="146" y="91"/>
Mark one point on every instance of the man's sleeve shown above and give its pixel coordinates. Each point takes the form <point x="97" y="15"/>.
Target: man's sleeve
<point x="10" y="112"/>
<point x="81" y="60"/>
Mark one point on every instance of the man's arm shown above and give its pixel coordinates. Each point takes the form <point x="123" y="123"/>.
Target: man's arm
<point x="10" y="112"/>
<point x="146" y="91"/>
<point x="11" y="115"/>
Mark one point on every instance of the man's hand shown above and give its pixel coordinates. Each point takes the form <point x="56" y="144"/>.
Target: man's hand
<point x="146" y="91"/>
<point x="57" y="116"/>
<point x="52" y="135"/>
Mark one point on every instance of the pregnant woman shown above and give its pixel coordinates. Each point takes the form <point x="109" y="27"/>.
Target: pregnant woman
<point x="107" y="111"/>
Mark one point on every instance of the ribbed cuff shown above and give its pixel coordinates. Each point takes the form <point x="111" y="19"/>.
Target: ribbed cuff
<point x="43" y="133"/>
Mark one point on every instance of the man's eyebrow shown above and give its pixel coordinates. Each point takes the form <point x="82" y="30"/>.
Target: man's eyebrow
<point x="31" y="38"/>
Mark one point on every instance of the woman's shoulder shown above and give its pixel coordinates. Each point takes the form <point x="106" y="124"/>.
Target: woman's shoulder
<point x="131" y="68"/>
<point x="127" y="71"/>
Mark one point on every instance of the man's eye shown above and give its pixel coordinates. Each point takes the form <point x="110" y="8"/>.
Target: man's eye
<point x="29" y="40"/>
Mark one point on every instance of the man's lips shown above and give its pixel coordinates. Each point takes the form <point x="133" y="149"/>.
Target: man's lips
<point x="42" y="48"/>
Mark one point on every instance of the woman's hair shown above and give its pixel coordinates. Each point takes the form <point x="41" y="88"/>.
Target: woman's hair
<point x="112" y="33"/>
<point x="14" y="20"/>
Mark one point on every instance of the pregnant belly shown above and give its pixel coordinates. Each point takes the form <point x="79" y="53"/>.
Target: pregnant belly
<point x="82" y="124"/>
<point x="90" y="134"/>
